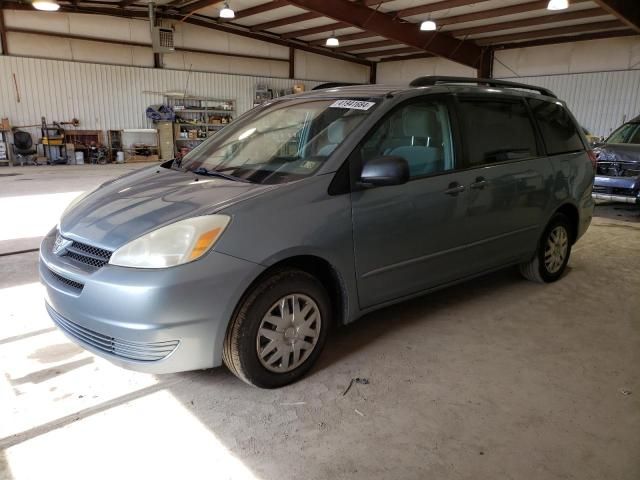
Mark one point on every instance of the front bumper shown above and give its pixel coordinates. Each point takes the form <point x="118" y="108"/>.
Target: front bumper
<point x="156" y="321"/>
<point x="616" y="198"/>
<point x="617" y="189"/>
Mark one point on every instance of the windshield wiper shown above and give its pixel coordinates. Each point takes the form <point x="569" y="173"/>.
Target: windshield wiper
<point x="217" y="173"/>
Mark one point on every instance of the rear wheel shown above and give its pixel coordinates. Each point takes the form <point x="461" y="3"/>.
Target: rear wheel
<point x="278" y="330"/>
<point x="552" y="255"/>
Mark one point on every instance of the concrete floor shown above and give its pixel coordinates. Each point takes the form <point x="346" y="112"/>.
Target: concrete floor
<point x="498" y="378"/>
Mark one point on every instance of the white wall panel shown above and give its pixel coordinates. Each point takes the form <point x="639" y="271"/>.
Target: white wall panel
<point x="318" y="67"/>
<point x="132" y="30"/>
<point x="27" y="45"/>
<point x="600" y="101"/>
<point x="622" y="53"/>
<point x="403" y="71"/>
<point x="109" y="96"/>
<point x="33" y="20"/>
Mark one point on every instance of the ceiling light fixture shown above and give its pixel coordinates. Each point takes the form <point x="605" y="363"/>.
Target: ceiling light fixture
<point x="428" y="26"/>
<point x="332" y="41"/>
<point x="558" y="5"/>
<point x="227" y="12"/>
<point x="46" y="5"/>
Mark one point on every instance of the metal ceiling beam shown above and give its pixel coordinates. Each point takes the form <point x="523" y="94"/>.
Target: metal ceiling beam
<point x="551" y="32"/>
<point x="626" y="10"/>
<point x="437" y="43"/>
<point x="569" y="39"/>
<point x="115" y="12"/>
<point x="269" y="38"/>
<point x="296" y="18"/>
<point x="314" y="30"/>
<point x="469" y="17"/>
<point x="348" y="37"/>
<point x="281" y="22"/>
<point x="367" y="46"/>
<point x="263" y="7"/>
<point x="199" y="5"/>
<point x="529" y="22"/>
<point x="435" y="7"/>
<point x="442" y="5"/>
<point x="394" y="51"/>
<point x="500" y="12"/>
<point x="397" y="58"/>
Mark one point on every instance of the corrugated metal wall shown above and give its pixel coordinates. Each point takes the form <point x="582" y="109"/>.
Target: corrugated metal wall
<point x="107" y="97"/>
<point x="600" y="101"/>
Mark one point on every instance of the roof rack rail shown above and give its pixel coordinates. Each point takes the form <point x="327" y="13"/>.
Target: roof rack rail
<point x="436" y="79"/>
<point x="322" y="86"/>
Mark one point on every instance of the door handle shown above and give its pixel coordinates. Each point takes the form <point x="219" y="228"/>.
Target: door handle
<point x="454" y="189"/>
<point x="479" y="184"/>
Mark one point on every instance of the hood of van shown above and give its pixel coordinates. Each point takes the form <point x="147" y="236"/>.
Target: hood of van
<point x="128" y="207"/>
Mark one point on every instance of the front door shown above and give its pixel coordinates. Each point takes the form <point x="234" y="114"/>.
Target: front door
<point x="409" y="237"/>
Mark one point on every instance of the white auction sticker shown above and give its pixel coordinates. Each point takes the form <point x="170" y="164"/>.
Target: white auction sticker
<point x="354" y="104"/>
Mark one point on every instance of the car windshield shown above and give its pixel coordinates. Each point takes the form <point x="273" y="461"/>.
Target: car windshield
<point x="286" y="141"/>
<point x="627" y="133"/>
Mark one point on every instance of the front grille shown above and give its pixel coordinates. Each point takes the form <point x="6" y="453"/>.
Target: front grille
<point x="618" y="169"/>
<point x="142" y="352"/>
<point x="70" y="283"/>
<point x="88" y="255"/>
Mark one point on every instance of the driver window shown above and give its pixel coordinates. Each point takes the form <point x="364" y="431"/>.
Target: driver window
<point x="418" y="132"/>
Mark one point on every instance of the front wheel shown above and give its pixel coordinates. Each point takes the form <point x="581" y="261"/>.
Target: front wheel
<point x="278" y="330"/>
<point x="552" y="255"/>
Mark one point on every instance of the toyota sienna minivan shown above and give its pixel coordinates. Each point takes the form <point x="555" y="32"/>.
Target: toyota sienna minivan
<point x="308" y="212"/>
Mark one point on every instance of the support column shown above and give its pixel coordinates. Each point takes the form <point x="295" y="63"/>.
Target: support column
<point x="157" y="57"/>
<point x="373" y="72"/>
<point x="292" y="62"/>
<point x="3" y="35"/>
<point x="485" y="69"/>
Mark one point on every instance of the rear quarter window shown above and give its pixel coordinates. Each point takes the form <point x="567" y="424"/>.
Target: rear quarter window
<point x="559" y="132"/>
<point x="496" y="130"/>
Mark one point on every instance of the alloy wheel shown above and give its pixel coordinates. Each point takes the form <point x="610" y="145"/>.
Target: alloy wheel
<point x="556" y="249"/>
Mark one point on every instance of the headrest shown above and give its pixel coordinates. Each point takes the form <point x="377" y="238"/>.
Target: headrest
<point x="336" y="131"/>
<point x="418" y="122"/>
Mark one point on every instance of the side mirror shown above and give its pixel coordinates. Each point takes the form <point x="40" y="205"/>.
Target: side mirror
<point x="383" y="171"/>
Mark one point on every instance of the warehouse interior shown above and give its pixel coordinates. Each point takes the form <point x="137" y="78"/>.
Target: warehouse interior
<point x="491" y="378"/>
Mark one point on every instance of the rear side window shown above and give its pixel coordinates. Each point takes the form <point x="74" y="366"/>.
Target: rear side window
<point x="558" y="129"/>
<point x="496" y="131"/>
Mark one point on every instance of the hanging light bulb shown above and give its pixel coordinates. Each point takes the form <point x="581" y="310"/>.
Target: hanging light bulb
<point x="46" y="5"/>
<point x="227" y="12"/>
<point x="558" y="5"/>
<point x="428" y="26"/>
<point x="332" y="41"/>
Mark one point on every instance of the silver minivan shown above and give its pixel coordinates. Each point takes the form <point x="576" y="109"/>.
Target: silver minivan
<point x="308" y="212"/>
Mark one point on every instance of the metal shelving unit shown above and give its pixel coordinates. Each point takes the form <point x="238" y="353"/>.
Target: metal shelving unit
<point x="197" y="118"/>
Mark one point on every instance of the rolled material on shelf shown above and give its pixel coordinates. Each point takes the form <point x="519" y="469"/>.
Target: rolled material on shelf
<point x="160" y="112"/>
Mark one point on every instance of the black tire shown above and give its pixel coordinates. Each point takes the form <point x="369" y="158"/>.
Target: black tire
<point x="535" y="269"/>
<point x="240" y="353"/>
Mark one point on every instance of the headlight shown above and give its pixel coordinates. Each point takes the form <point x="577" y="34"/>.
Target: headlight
<point x="175" y="244"/>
